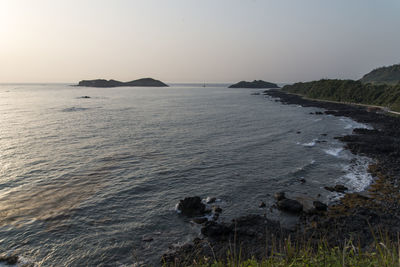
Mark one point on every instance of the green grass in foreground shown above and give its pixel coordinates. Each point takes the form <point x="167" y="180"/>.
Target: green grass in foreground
<point x="380" y="254"/>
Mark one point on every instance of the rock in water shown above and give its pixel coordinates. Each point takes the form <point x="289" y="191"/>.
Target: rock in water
<point x="254" y="84"/>
<point x="145" y="82"/>
<point x="192" y="206"/>
<point x="290" y="205"/>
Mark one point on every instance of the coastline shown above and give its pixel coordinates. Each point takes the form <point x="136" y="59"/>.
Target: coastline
<point x="356" y="216"/>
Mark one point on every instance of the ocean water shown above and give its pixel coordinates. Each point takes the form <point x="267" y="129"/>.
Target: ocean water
<point x="84" y="180"/>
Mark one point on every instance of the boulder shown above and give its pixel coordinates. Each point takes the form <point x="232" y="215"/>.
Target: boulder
<point x="290" y="205"/>
<point x="191" y="206"/>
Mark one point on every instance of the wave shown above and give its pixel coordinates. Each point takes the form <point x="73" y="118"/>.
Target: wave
<point x="309" y="144"/>
<point x="357" y="177"/>
<point x="333" y="151"/>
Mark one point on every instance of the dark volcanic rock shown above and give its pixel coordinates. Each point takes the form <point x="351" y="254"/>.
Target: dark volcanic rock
<point x="337" y="188"/>
<point x="290" y="205"/>
<point x="254" y="84"/>
<point x="192" y="206"/>
<point x="215" y="230"/>
<point x="145" y="82"/>
<point x="318" y="205"/>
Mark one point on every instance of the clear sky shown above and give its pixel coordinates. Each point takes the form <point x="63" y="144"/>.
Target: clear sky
<point x="196" y="40"/>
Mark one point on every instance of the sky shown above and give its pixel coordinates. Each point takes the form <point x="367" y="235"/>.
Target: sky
<point x="196" y="40"/>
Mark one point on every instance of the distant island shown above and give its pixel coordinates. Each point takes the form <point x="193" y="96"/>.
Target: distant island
<point x="254" y="84"/>
<point x="145" y="82"/>
<point x="389" y="75"/>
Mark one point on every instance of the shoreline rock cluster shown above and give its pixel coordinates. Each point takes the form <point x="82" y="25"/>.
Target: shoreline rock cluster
<point x="356" y="216"/>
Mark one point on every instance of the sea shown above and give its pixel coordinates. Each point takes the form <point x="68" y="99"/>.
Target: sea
<point x="92" y="176"/>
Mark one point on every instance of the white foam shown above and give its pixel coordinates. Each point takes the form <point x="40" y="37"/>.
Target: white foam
<point x="176" y="209"/>
<point x="357" y="177"/>
<point x="350" y="124"/>
<point x="310" y="144"/>
<point x="333" y="151"/>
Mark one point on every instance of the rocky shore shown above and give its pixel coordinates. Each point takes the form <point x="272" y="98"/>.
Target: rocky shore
<point x="358" y="217"/>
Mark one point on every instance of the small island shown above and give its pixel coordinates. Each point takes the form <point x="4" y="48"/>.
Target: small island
<point x="145" y="82"/>
<point x="254" y="84"/>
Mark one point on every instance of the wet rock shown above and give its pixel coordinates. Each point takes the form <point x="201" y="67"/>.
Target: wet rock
<point x="217" y="209"/>
<point x="290" y="205"/>
<point x="319" y="113"/>
<point x="210" y="200"/>
<point x="337" y="188"/>
<point x="319" y="206"/>
<point x="262" y="205"/>
<point x="192" y="206"/>
<point x="279" y="196"/>
<point x="200" y="220"/>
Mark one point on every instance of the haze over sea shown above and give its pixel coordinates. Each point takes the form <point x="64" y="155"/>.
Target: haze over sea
<point x="84" y="180"/>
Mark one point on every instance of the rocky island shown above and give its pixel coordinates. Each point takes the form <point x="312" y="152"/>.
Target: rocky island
<point x="145" y="82"/>
<point x="254" y="84"/>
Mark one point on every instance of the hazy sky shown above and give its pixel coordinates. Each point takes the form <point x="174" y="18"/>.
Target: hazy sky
<point x="196" y="40"/>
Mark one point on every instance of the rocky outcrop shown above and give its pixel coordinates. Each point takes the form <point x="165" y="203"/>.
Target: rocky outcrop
<point x="145" y="82"/>
<point x="254" y="84"/>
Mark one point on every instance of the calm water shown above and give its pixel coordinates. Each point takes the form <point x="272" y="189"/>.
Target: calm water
<point x="83" y="180"/>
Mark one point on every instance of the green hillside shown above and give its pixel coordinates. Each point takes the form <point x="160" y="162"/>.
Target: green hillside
<point x="390" y="75"/>
<point x="349" y="91"/>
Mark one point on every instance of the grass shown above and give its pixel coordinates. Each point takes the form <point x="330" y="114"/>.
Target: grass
<point x="379" y="254"/>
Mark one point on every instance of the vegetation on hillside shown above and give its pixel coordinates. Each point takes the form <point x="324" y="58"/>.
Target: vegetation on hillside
<point x="390" y="75"/>
<point x="381" y="253"/>
<point x="349" y="91"/>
